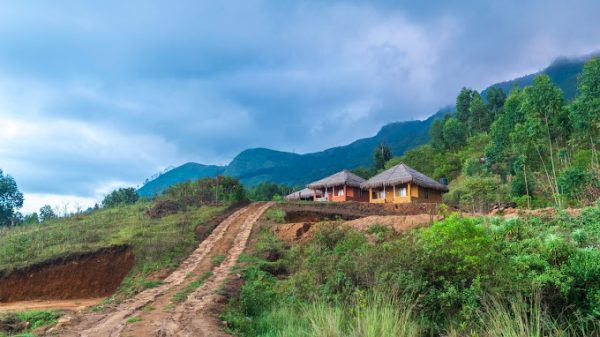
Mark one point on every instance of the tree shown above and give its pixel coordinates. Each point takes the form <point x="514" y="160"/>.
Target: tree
<point x="454" y="134"/>
<point x="11" y="199"/>
<point x="544" y="108"/>
<point x="463" y="103"/>
<point x="362" y="172"/>
<point x="500" y="150"/>
<point x="479" y="114"/>
<point x="496" y="98"/>
<point x="585" y="112"/>
<point x="30" y="219"/>
<point x="121" y="196"/>
<point x="265" y="191"/>
<point x="46" y="213"/>
<point x="436" y="132"/>
<point x="381" y="155"/>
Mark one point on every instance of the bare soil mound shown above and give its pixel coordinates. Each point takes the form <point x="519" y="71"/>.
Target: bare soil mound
<point x="85" y="275"/>
<point x="399" y="223"/>
<point x="353" y="210"/>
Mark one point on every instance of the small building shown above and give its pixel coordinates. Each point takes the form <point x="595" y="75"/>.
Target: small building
<point x="340" y="187"/>
<point x="402" y="184"/>
<point x="304" y="194"/>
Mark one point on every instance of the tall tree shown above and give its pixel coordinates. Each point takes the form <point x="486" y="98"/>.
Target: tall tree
<point x="381" y="154"/>
<point x="496" y="98"/>
<point x="544" y="106"/>
<point x="479" y="115"/>
<point x="463" y="102"/>
<point x="436" y="132"/>
<point x="585" y="111"/>
<point x="11" y="199"/>
<point x="454" y="134"/>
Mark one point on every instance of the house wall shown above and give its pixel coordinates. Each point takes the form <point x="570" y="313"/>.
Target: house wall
<point x="414" y="193"/>
<point x="350" y="194"/>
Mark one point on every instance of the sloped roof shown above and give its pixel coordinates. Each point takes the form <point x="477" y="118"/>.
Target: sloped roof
<point x="303" y="194"/>
<point x="344" y="177"/>
<point x="402" y="174"/>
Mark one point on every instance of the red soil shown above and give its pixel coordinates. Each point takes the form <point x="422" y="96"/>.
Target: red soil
<point x="87" y="275"/>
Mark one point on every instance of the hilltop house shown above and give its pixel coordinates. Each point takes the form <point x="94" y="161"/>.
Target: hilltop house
<point x="402" y="184"/>
<point x="304" y="194"/>
<point x="340" y="187"/>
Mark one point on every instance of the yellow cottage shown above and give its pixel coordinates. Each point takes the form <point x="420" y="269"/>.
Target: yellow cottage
<point x="402" y="184"/>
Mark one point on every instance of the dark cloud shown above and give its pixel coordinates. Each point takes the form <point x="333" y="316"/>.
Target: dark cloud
<point x="110" y="92"/>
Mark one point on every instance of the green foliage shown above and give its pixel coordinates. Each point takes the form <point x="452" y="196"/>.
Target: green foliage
<point x="454" y="134"/>
<point x="11" y="199"/>
<point x="266" y="191"/>
<point x="381" y="155"/>
<point x="205" y="191"/>
<point x="275" y="214"/>
<point x="34" y="319"/>
<point x="121" y="196"/>
<point x="572" y="181"/>
<point x="47" y="213"/>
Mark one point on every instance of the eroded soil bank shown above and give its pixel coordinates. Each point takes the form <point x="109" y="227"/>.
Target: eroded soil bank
<point x="86" y="275"/>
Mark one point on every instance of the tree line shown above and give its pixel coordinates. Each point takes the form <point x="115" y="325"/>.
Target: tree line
<point x="532" y="147"/>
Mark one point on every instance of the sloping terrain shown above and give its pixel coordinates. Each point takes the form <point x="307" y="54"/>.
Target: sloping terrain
<point x="179" y="306"/>
<point x="185" y="172"/>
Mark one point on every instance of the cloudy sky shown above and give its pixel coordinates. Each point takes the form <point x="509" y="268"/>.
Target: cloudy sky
<point x="96" y="95"/>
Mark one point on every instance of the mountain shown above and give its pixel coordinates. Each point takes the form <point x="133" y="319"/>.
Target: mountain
<point x="185" y="172"/>
<point x="253" y="166"/>
<point x="563" y="73"/>
<point x="257" y="165"/>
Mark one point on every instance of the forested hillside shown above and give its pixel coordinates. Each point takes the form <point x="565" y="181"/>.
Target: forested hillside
<point x="535" y="147"/>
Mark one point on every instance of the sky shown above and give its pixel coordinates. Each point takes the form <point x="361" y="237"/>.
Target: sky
<point x="96" y="95"/>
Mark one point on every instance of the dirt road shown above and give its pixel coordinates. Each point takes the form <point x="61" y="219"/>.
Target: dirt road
<point x="181" y="305"/>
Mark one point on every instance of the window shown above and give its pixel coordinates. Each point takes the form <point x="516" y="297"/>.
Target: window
<point x="401" y="191"/>
<point x="340" y="192"/>
<point x="426" y="193"/>
<point x="374" y="194"/>
<point x="381" y="194"/>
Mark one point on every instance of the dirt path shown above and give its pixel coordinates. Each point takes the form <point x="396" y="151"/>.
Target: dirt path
<point x="155" y="311"/>
<point x="77" y="304"/>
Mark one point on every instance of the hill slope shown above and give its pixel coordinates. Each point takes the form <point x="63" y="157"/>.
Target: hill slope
<point x="185" y="172"/>
<point x="253" y="166"/>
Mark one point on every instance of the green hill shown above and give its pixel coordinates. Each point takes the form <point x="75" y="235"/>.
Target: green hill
<point x="185" y="172"/>
<point x="253" y="166"/>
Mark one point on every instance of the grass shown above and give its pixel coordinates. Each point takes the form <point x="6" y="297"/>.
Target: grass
<point x="183" y="295"/>
<point x="157" y="243"/>
<point x="275" y="214"/>
<point x="217" y="259"/>
<point x="134" y="319"/>
<point x="35" y="319"/>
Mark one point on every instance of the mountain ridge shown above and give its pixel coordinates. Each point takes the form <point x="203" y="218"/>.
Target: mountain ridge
<point x="256" y="165"/>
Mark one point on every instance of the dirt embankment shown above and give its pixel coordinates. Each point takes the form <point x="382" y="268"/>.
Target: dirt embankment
<point x="304" y="231"/>
<point x="85" y="275"/>
<point x="353" y="210"/>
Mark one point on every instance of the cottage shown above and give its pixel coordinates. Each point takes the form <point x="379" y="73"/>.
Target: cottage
<point x="340" y="187"/>
<point x="304" y="194"/>
<point x="402" y="184"/>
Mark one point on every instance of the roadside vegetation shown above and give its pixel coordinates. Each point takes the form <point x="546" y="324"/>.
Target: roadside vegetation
<point x="460" y="277"/>
<point x="23" y="324"/>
